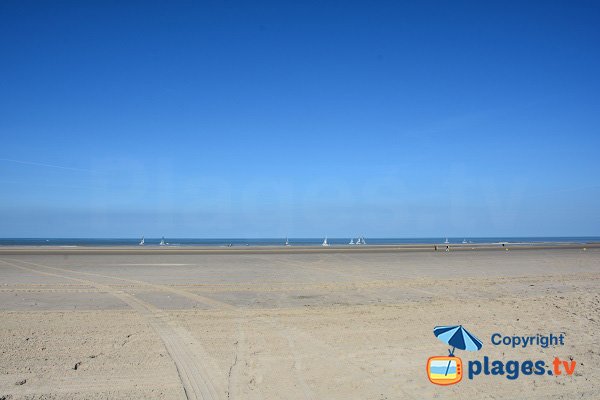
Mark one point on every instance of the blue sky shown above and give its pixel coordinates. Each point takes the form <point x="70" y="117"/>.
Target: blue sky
<point x="266" y="119"/>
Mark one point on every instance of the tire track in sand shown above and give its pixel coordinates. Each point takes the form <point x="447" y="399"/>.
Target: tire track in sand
<point x="192" y="296"/>
<point x="234" y="373"/>
<point x="194" y="376"/>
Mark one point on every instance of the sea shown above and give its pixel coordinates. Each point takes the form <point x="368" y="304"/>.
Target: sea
<point x="226" y="242"/>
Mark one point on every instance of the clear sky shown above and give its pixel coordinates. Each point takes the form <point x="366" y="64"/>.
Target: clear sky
<point x="266" y="119"/>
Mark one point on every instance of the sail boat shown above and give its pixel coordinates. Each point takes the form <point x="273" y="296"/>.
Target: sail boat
<point x="446" y="242"/>
<point x="464" y="241"/>
<point x="287" y="242"/>
<point x="351" y="241"/>
<point x="325" y="244"/>
<point x="363" y="240"/>
<point x="162" y="241"/>
<point x="142" y="241"/>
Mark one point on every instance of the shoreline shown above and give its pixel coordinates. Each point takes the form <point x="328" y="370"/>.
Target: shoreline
<point x="399" y="248"/>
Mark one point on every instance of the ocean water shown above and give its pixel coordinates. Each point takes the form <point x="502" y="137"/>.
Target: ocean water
<point x="281" y="241"/>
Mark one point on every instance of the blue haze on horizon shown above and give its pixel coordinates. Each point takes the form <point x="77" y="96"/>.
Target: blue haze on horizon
<point x="265" y="119"/>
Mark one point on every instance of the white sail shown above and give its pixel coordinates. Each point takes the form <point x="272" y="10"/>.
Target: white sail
<point x="464" y="241"/>
<point x="287" y="243"/>
<point x="142" y="241"/>
<point x="351" y="241"/>
<point x="446" y="242"/>
<point x="325" y="242"/>
<point x="363" y="241"/>
<point x="162" y="241"/>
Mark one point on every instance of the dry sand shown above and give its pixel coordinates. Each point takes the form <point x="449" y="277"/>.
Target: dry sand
<point x="289" y="325"/>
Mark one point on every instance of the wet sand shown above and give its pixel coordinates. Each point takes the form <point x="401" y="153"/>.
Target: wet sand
<point x="129" y="323"/>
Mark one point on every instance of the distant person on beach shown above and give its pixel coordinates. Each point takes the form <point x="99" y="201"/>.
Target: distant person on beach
<point x="447" y="247"/>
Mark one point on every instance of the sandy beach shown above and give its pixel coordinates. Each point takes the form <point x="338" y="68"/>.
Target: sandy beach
<point x="299" y="324"/>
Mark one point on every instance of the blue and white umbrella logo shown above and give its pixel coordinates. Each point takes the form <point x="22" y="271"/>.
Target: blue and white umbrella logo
<point x="457" y="337"/>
